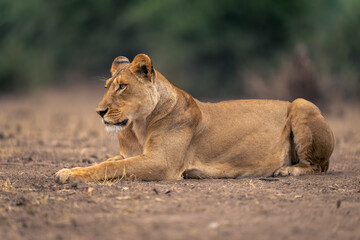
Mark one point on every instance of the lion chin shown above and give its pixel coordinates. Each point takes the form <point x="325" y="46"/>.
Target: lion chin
<point x="113" y="129"/>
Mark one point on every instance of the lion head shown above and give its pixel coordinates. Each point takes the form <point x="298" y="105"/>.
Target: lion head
<point x="130" y="93"/>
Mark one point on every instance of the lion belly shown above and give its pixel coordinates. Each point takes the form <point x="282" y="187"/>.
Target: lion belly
<point x="239" y="138"/>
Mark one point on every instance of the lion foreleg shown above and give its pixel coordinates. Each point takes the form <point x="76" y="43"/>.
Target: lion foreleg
<point x="139" y="167"/>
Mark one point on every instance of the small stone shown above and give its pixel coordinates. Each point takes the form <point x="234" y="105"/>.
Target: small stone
<point x="213" y="225"/>
<point x="86" y="160"/>
<point x="338" y="203"/>
<point x="21" y="201"/>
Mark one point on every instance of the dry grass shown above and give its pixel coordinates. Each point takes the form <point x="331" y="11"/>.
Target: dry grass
<point x="7" y="186"/>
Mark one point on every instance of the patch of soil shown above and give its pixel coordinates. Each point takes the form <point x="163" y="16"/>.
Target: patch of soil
<point x="44" y="132"/>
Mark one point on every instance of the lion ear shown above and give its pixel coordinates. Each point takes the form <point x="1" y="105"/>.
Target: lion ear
<point x="118" y="63"/>
<point x="142" y="66"/>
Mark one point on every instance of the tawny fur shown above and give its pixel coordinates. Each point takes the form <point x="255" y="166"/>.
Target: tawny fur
<point x="171" y="135"/>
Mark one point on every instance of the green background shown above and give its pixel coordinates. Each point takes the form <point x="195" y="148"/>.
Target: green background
<point x="213" y="49"/>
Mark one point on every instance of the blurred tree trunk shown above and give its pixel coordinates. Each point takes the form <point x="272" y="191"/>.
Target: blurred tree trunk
<point x="300" y="76"/>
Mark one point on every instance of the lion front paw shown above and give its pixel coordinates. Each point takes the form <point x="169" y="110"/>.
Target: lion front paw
<point x="63" y="176"/>
<point x="79" y="173"/>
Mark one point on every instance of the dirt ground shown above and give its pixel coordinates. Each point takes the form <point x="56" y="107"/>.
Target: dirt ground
<point x="48" y="130"/>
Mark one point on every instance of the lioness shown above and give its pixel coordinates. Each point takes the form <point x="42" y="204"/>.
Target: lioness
<point x="164" y="133"/>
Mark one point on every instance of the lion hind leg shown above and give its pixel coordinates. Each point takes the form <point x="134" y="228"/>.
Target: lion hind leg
<point x="294" y="170"/>
<point x="313" y="140"/>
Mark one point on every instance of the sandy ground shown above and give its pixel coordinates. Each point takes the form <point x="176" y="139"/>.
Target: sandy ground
<point x="44" y="132"/>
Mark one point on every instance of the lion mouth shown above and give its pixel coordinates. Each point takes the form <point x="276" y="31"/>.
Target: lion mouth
<point x="122" y="124"/>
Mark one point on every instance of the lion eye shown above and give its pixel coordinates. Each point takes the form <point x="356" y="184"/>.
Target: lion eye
<point x="122" y="86"/>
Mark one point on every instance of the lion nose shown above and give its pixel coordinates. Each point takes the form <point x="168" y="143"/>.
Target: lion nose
<point x="102" y="113"/>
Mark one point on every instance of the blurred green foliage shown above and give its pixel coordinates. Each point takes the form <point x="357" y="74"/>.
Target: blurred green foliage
<point x="202" y="46"/>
